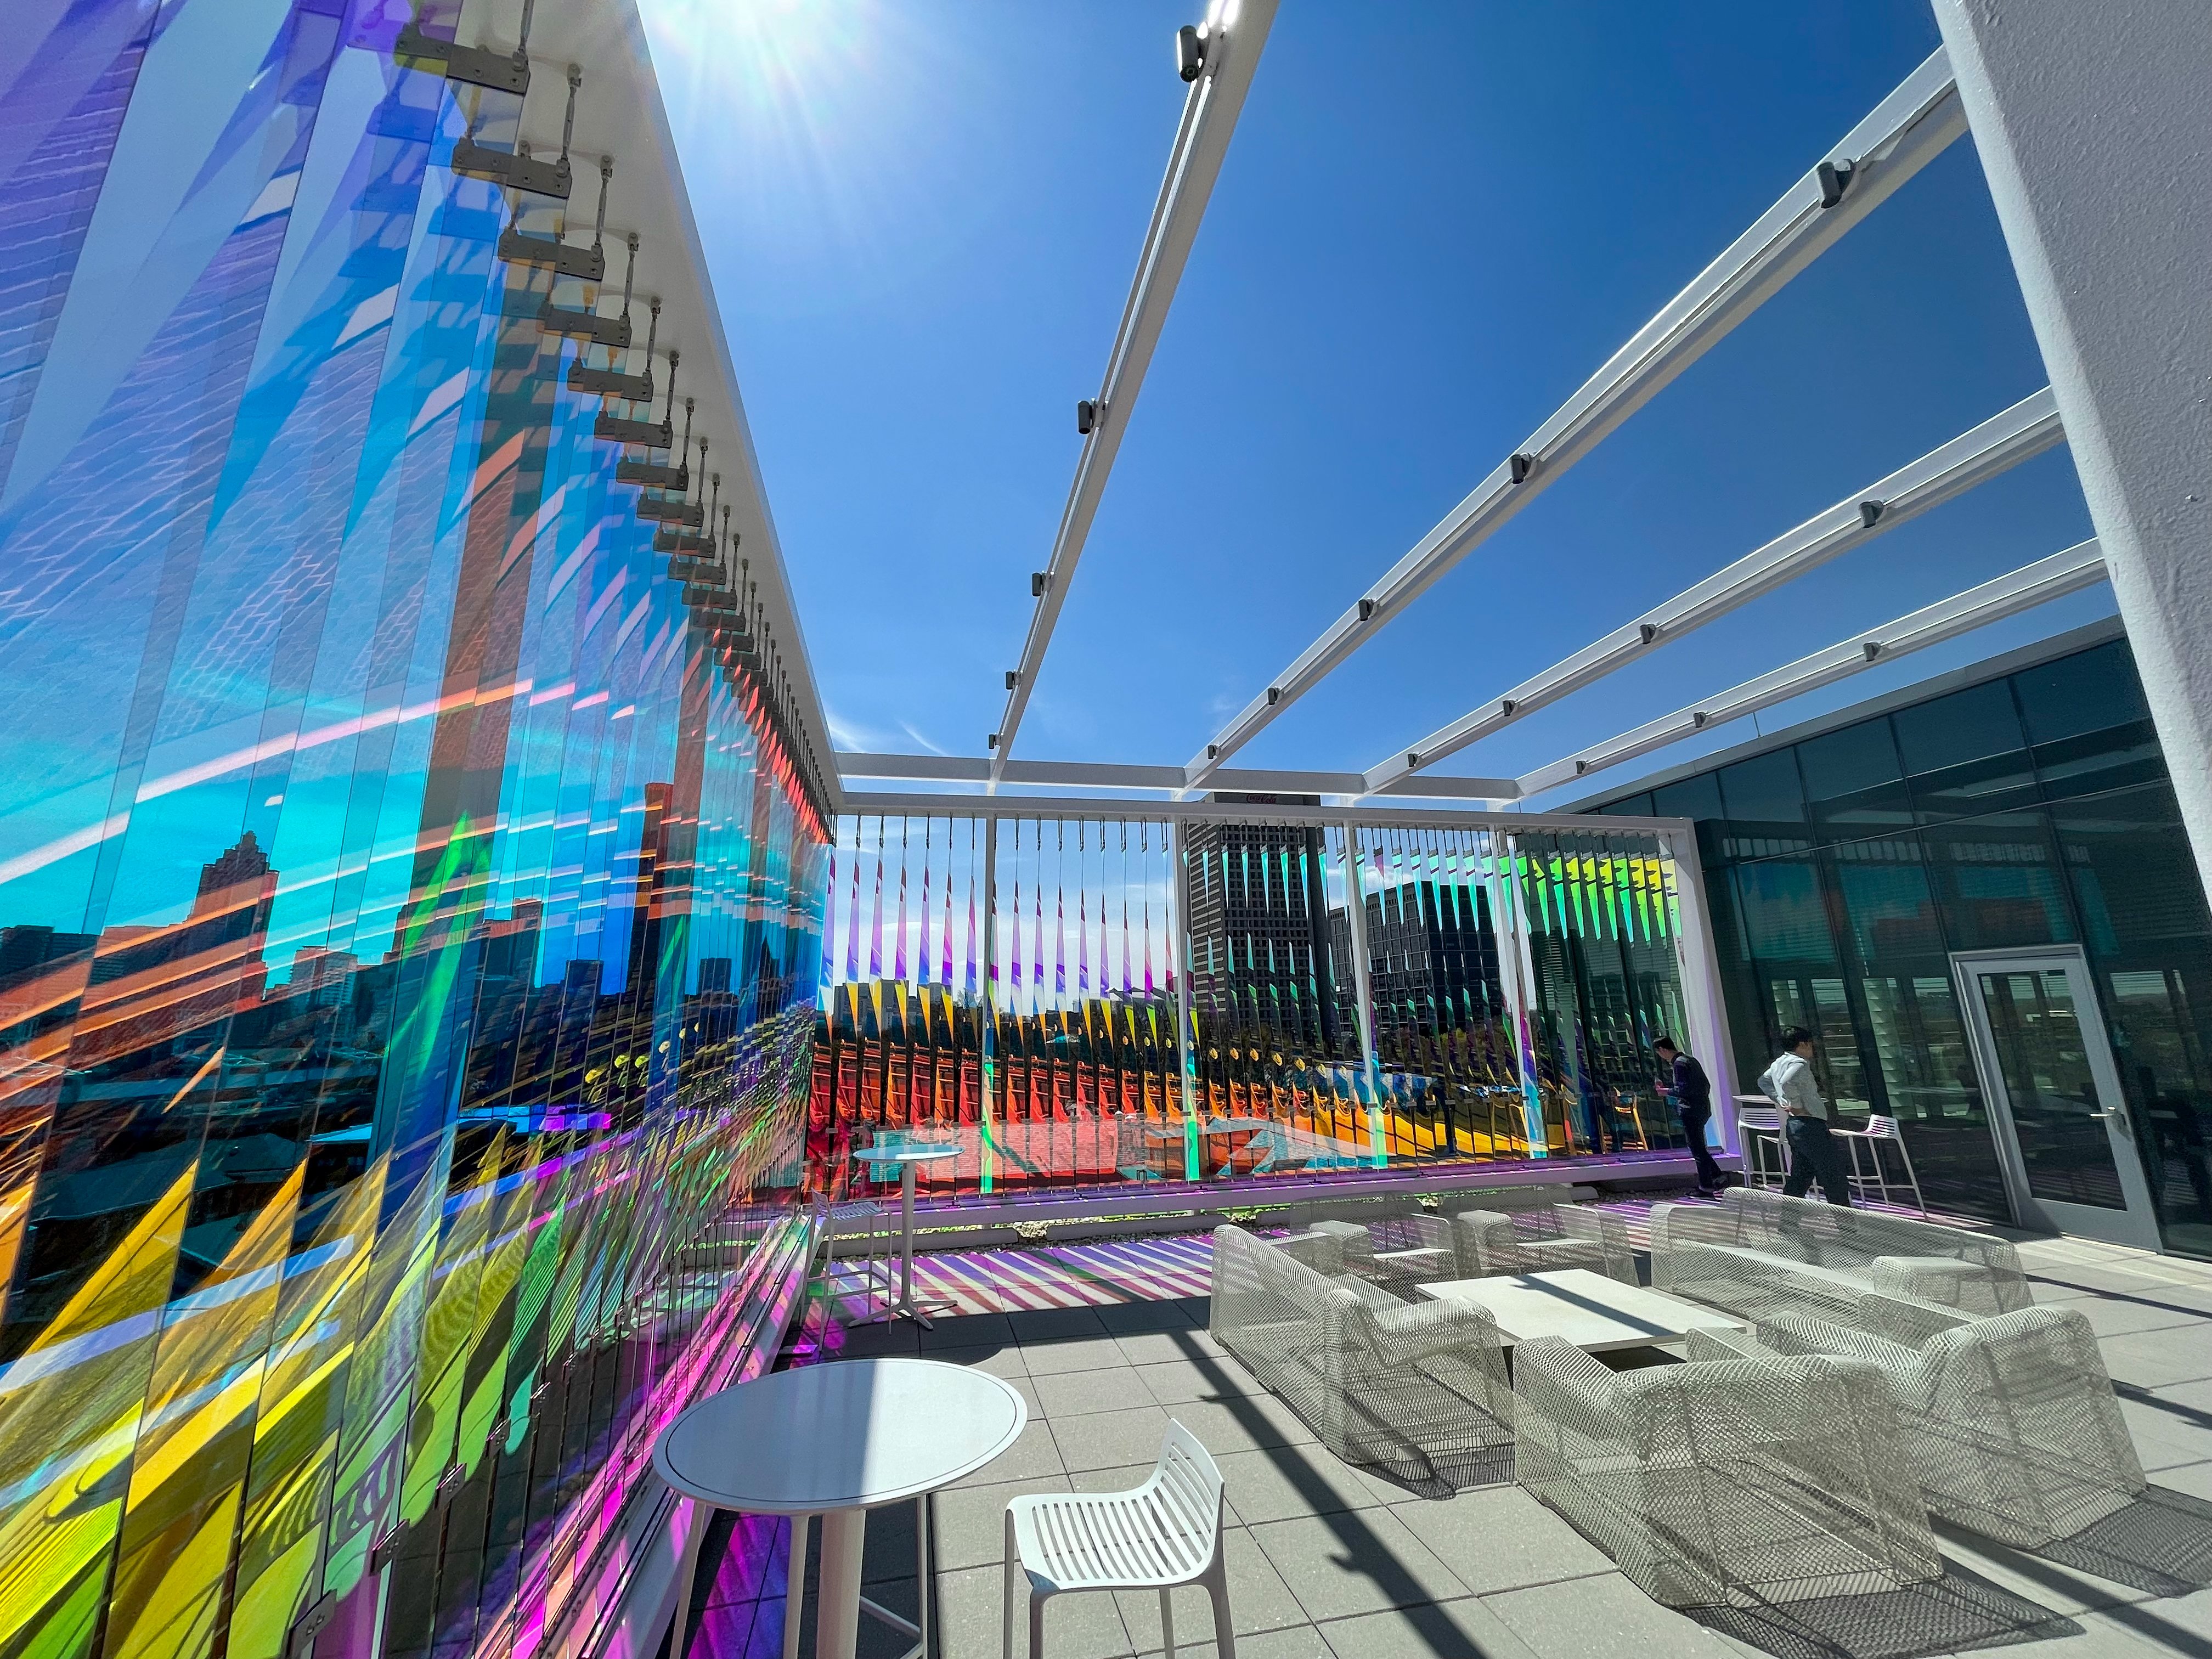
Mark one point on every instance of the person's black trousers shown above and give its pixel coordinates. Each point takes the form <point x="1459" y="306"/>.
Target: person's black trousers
<point x="1694" y="1119"/>
<point x="1814" y="1156"/>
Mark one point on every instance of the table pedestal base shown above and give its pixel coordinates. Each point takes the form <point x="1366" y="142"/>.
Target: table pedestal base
<point x="839" y="1604"/>
<point x="906" y="1307"/>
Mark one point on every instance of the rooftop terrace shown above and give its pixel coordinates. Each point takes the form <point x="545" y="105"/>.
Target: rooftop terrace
<point x="1107" y="1342"/>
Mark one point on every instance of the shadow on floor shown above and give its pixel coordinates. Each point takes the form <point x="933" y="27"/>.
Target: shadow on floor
<point x="1958" y="1611"/>
<point x="2160" y="1543"/>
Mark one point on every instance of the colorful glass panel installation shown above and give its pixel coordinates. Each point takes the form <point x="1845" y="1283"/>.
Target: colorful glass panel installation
<point x="1014" y="986"/>
<point x="409" y="938"/>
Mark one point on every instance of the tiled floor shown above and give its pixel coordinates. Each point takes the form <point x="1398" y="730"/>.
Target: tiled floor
<point x="1326" y="1562"/>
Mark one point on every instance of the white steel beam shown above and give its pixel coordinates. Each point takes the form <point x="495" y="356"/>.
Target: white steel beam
<point x="1086" y="774"/>
<point x="1906" y="131"/>
<point x="2027" y="428"/>
<point x="1234" y="33"/>
<point x="2076" y="568"/>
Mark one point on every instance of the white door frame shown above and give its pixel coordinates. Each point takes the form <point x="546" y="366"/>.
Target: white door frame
<point x="2137" y="1224"/>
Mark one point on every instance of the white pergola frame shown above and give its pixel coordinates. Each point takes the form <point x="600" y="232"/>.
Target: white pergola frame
<point x="1906" y="130"/>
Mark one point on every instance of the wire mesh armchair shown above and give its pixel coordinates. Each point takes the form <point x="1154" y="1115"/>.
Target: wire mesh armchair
<point x="1761" y="1254"/>
<point x="1480" y="1243"/>
<point x="1490" y="1243"/>
<point x="1727" y="1482"/>
<point x="1419" y="1393"/>
<point x="2010" y="1421"/>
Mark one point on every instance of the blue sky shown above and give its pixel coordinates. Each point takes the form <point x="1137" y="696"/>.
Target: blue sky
<point x="1435" y="221"/>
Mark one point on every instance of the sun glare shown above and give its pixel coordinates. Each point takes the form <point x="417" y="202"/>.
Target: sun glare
<point x="818" y="127"/>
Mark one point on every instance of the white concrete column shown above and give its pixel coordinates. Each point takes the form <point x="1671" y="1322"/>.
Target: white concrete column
<point x="2094" y="124"/>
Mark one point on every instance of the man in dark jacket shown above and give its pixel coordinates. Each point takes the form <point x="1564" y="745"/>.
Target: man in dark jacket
<point x="1693" y="1100"/>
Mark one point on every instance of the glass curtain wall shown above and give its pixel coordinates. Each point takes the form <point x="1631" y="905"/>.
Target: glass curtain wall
<point x="408" y="929"/>
<point x="2031" y="809"/>
<point x="1018" y="986"/>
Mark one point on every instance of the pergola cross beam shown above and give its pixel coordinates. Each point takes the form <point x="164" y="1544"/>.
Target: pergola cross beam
<point x="2078" y="566"/>
<point x="1236" y="31"/>
<point x="2004" y="441"/>
<point x="1904" y="133"/>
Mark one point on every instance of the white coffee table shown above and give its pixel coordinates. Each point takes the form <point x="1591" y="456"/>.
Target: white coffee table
<point x="1597" y="1314"/>
<point x="836" y="1441"/>
<point x="907" y="1160"/>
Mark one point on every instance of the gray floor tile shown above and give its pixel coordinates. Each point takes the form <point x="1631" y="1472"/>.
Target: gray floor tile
<point x="1361" y="1561"/>
<point x="1500" y="1538"/>
<point x="2164" y="1439"/>
<point x="1054" y="1324"/>
<point x="1465" y="1629"/>
<point x="2160" y="1358"/>
<point x="1605" y="1618"/>
<point x="1110" y="1440"/>
<point x="2062" y="1588"/>
<point x="968" y="1331"/>
<point x="1281" y="1483"/>
<point x="1258" y="1601"/>
<point x="1000" y="1360"/>
<point x="900" y="1336"/>
<point x="1032" y="1454"/>
<point x="970" y="1521"/>
<point x="1076" y="1394"/>
<point x="1297" y="1641"/>
<point x="1177" y="1380"/>
<point x="1242" y="1425"/>
<point x="1158" y="1347"/>
<point x="971" y="1614"/>
<point x="2107" y="1636"/>
<point x="2181" y="1624"/>
<point x="1088" y="1353"/>
<point x="1134" y="1318"/>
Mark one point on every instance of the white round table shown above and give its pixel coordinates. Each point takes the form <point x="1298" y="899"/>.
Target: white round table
<point x="837" y="1440"/>
<point x="908" y="1159"/>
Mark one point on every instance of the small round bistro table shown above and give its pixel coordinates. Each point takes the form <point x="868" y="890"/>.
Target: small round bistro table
<point x="907" y="1160"/>
<point x="835" y="1440"/>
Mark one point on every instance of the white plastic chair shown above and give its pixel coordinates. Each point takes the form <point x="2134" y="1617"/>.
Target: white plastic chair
<point x="1876" y="1188"/>
<point x="1757" y="1118"/>
<point x="871" y="1224"/>
<point x="1164" y="1533"/>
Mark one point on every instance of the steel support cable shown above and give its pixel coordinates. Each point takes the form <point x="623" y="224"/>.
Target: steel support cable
<point x="2004" y="441"/>
<point x="1209" y="121"/>
<point x="1906" y="131"/>
<point x="2078" y="566"/>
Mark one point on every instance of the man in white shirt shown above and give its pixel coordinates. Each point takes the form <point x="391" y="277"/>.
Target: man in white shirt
<point x="1814" y="1154"/>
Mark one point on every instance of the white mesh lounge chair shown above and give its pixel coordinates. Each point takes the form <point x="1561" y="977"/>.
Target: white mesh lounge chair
<point x="1490" y="1244"/>
<point x="1760" y="1254"/>
<point x="1419" y="1393"/>
<point x="2009" y="1421"/>
<point x="1163" y="1533"/>
<point x="1478" y="1243"/>
<point x="1736" y="1482"/>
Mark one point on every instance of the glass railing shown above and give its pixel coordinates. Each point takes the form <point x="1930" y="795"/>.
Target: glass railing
<point x="1086" y="1001"/>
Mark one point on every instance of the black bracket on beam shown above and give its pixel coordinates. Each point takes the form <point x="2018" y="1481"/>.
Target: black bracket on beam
<point x="620" y="429"/>
<point x="476" y="66"/>
<point x="652" y="475"/>
<point x="1835" y="178"/>
<point x="1520" y="466"/>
